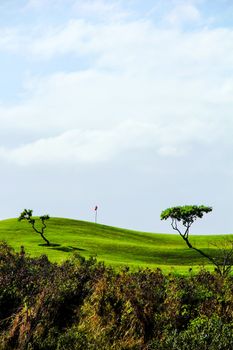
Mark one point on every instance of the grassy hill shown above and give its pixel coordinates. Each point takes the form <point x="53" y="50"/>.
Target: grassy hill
<point x="114" y="246"/>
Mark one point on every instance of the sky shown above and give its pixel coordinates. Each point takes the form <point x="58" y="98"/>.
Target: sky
<point x="122" y="104"/>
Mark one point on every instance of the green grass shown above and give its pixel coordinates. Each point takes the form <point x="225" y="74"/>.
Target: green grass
<point x="114" y="246"/>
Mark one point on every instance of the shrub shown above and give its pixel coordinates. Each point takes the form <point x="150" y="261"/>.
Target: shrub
<point x="83" y="304"/>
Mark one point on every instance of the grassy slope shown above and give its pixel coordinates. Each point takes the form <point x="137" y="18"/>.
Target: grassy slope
<point x="113" y="245"/>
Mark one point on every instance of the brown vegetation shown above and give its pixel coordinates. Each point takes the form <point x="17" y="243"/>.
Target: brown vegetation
<point x="82" y="304"/>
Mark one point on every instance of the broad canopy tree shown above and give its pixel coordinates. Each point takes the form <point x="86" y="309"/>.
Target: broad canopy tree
<point x="187" y="215"/>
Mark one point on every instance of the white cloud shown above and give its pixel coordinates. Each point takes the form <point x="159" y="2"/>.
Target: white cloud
<point x="183" y="13"/>
<point x="154" y="95"/>
<point x="166" y="84"/>
<point x="88" y="146"/>
<point x="73" y="37"/>
<point x="92" y="99"/>
<point x="38" y="4"/>
<point x="100" y="9"/>
<point x="136" y="45"/>
<point x="124" y="45"/>
<point x="96" y="145"/>
<point x="10" y="40"/>
<point x="35" y="3"/>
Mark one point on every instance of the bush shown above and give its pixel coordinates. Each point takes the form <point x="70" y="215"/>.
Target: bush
<point x="82" y="304"/>
<point x="201" y="334"/>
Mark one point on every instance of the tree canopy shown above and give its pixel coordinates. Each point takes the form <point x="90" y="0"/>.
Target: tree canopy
<point x="187" y="213"/>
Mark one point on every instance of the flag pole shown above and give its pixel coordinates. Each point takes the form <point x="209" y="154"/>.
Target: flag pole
<point x="96" y="210"/>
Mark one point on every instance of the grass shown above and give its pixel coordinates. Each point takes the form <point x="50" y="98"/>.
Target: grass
<point x="115" y="246"/>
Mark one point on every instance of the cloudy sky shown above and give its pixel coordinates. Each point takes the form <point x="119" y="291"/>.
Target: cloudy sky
<point x="124" y="104"/>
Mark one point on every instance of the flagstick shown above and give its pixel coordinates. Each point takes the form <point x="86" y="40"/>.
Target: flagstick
<point x="96" y="215"/>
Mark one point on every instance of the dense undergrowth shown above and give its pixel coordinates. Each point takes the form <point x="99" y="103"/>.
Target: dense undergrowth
<point x="83" y="305"/>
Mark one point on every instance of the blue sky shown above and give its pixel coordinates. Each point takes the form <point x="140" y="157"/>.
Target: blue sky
<point x="124" y="104"/>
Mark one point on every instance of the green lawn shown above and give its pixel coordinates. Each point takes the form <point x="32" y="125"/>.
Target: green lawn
<point x="114" y="246"/>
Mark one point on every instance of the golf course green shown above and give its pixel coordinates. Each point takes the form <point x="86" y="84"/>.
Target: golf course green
<point x="115" y="246"/>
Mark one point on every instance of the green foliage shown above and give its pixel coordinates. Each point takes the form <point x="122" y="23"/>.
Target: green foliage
<point x="187" y="213"/>
<point x="115" y="246"/>
<point x="82" y="304"/>
<point x="202" y="333"/>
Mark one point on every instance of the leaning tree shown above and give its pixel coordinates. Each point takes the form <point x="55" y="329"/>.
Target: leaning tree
<point x="186" y="215"/>
<point x="27" y="215"/>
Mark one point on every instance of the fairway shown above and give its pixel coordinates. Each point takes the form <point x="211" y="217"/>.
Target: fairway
<point x="115" y="246"/>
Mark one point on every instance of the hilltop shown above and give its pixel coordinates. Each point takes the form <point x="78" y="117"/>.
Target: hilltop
<point x="115" y="246"/>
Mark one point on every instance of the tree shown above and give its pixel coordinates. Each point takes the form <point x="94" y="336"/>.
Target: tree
<point x="27" y="215"/>
<point x="224" y="255"/>
<point x="187" y="215"/>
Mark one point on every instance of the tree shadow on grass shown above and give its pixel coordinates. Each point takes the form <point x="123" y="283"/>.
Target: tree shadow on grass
<point x="58" y="247"/>
<point x="51" y="245"/>
<point x="68" y="249"/>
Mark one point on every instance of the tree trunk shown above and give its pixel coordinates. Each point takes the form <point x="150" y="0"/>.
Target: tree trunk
<point x="45" y="239"/>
